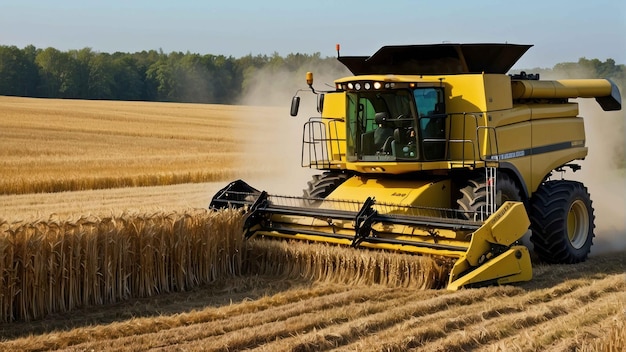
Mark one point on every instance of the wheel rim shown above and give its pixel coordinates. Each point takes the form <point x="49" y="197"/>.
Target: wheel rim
<point x="577" y="224"/>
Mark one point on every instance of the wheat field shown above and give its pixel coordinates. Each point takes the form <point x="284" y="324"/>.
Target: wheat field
<point x="51" y="145"/>
<point x="87" y="265"/>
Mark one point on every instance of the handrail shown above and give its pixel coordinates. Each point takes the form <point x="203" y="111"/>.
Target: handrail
<point x="319" y="147"/>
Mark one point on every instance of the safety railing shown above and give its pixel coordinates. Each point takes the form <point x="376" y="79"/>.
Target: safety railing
<point x="318" y="149"/>
<point x="321" y="144"/>
<point x="475" y="145"/>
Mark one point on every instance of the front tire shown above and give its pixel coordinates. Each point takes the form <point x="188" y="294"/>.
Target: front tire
<point x="562" y="222"/>
<point x="473" y="196"/>
<point x="323" y="185"/>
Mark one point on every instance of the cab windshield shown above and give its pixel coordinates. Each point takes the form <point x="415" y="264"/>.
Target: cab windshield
<point x="395" y="125"/>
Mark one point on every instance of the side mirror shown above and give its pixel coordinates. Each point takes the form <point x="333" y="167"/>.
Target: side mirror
<point x="295" y="105"/>
<point x="320" y="103"/>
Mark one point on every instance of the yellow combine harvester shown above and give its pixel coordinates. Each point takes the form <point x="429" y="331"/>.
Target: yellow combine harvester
<point x="434" y="149"/>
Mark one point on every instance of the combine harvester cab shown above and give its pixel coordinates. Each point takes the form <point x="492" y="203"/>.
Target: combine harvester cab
<point x="435" y="150"/>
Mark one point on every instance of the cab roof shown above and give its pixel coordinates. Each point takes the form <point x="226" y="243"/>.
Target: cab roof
<point x="430" y="59"/>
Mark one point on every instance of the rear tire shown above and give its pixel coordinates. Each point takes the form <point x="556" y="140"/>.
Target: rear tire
<point x="323" y="185"/>
<point x="473" y="200"/>
<point x="562" y="222"/>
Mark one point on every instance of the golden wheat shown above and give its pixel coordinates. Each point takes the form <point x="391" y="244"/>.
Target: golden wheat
<point x="54" y="145"/>
<point x="58" y="265"/>
<point x="330" y="263"/>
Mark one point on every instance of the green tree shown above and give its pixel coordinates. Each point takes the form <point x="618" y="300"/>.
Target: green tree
<point x="31" y="71"/>
<point x="163" y="72"/>
<point x="128" y="78"/>
<point x="225" y="78"/>
<point x="101" y="77"/>
<point x="18" y="72"/>
<point x="59" y="74"/>
<point x="193" y="80"/>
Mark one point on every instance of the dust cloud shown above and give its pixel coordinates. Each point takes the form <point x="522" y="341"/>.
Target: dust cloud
<point x="275" y="147"/>
<point x="602" y="175"/>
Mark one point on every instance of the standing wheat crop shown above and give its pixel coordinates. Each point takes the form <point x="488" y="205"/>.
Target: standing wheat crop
<point x="58" y="265"/>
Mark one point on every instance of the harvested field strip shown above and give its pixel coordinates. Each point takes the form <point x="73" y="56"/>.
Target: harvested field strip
<point x="145" y="326"/>
<point x="545" y="327"/>
<point x="257" y="328"/>
<point x="588" y="306"/>
<point x="607" y="335"/>
<point x="237" y="331"/>
<point x="483" y="323"/>
<point x="539" y="316"/>
<point x="352" y="332"/>
<point x="103" y="203"/>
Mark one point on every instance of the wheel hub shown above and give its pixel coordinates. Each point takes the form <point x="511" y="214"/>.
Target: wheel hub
<point x="577" y="224"/>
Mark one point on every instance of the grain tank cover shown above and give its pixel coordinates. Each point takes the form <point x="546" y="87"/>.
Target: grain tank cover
<point x="437" y="59"/>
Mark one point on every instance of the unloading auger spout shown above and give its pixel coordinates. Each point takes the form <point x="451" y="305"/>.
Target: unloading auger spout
<point x="485" y="251"/>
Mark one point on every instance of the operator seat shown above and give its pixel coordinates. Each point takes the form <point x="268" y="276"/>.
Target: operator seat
<point x="383" y="134"/>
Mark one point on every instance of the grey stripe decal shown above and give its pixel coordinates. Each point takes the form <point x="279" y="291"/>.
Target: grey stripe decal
<point x="537" y="150"/>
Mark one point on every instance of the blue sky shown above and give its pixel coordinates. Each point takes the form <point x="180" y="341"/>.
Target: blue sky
<point x="560" y="30"/>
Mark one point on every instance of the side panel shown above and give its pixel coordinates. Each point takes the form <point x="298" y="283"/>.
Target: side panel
<point x="554" y="143"/>
<point x="512" y="146"/>
<point x="519" y="144"/>
<point x="465" y="104"/>
<point x="497" y="92"/>
<point x="546" y="111"/>
<point x="519" y="113"/>
<point x="469" y="98"/>
<point x="478" y="92"/>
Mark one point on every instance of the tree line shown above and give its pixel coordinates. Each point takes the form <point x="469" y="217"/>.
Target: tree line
<point x="146" y="75"/>
<point x="183" y="77"/>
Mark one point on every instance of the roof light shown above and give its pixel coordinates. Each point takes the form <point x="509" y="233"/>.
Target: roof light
<point x="377" y="85"/>
<point x="367" y="85"/>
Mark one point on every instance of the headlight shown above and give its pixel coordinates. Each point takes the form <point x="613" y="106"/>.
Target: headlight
<point x="367" y="85"/>
<point x="377" y="85"/>
<point x="350" y="86"/>
<point x="357" y="86"/>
